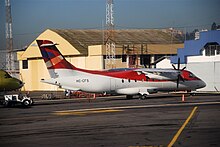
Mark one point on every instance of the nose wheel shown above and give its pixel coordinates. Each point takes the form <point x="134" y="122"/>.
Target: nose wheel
<point x="143" y="97"/>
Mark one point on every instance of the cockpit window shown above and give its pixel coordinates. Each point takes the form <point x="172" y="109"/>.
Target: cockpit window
<point x="191" y="75"/>
<point x="7" y="76"/>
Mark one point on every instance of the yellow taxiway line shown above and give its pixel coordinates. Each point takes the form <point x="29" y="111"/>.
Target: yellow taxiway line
<point x="182" y="127"/>
<point x="63" y="113"/>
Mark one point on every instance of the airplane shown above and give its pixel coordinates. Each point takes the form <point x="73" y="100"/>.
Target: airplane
<point x="8" y="83"/>
<point x="127" y="81"/>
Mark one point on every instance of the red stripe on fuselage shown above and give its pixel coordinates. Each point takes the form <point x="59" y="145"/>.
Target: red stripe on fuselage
<point x="133" y="75"/>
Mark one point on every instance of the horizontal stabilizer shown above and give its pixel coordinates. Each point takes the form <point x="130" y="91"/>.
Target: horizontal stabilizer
<point x="69" y="88"/>
<point x="49" y="81"/>
<point x="54" y="82"/>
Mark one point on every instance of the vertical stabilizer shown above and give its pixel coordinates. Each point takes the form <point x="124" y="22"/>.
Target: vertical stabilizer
<point x="55" y="62"/>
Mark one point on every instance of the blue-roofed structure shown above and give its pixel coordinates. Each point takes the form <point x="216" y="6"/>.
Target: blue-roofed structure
<point x="194" y="47"/>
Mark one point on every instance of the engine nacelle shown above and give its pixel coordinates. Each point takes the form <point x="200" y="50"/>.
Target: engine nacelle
<point x="137" y="90"/>
<point x="128" y="91"/>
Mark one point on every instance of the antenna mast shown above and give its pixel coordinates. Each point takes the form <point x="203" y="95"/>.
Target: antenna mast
<point x="10" y="66"/>
<point x="109" y="37"/>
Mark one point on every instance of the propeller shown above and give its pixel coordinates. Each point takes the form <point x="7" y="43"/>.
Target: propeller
<point x="179" y="76"/>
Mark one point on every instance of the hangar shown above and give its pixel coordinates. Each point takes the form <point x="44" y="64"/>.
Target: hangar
<point x="86" y="49"/>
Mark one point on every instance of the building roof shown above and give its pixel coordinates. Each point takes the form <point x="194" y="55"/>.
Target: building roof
<point x="81" y="39"/>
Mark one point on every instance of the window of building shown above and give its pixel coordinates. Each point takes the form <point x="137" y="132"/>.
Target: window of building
<point x="7" y="75"/>
<point x="145" y="59"/>
<point x="24" y="64"/>
<point x="212" y="49"/>
<point x="124" y="58"/>
<point x="207" y="52"/>
<point x="118" y="56"/>
<point x="132" y="60"/>
<point x="218" y="50"/>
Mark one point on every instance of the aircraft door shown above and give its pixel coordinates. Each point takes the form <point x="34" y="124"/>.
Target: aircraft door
<point x="112" y="84"/>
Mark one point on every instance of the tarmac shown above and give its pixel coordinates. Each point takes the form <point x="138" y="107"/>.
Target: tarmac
<point x="159" y="121"/>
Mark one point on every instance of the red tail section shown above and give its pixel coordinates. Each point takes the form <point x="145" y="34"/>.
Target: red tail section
<point x="52" y="56"/>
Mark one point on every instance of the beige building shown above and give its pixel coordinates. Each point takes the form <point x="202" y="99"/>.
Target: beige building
<point x="85" y="49"/>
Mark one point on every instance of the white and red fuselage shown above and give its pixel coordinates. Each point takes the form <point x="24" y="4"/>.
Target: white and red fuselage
<point x="120" y="81"/>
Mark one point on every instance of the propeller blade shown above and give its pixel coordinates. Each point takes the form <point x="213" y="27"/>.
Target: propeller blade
<point x="177" y="82"/>
<point x="174" y="67"/>
<point x="178" y="64"/>
<point x="183" y="68"/>
<point x="181" y="77"/>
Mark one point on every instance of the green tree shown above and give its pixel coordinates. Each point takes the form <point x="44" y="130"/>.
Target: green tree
<point x="214" y="26"/>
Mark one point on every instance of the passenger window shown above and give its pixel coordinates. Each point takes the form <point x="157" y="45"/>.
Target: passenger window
<point x="7" y="76"/>
<point x="122" y="81"/>
<point x="191" y="75"/>
<point x="24" y="64"/>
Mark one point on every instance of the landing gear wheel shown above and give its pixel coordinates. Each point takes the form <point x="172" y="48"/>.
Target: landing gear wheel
<point x="6" y="103"/>
<point x="128" y="97"/>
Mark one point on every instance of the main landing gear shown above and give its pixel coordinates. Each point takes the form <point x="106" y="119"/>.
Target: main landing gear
<point x="128" y="97"/>
<point x="141" y="96"/>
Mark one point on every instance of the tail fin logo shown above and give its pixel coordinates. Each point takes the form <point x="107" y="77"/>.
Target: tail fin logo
<point x="54" y="61"/>
<point x="51" y="55"/>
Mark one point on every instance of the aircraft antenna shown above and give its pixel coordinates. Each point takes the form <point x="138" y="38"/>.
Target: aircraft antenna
<point x="10" y="66"/>
<point x="109" y="36"/>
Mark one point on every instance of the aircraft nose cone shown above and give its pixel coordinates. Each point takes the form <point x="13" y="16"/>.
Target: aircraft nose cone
<point x="202" y="84"/>
<point x="20" y="83"/>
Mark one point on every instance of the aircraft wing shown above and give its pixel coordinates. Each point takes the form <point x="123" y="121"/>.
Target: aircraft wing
<point x="69" y="88"/>
<point x="160" y="74"/>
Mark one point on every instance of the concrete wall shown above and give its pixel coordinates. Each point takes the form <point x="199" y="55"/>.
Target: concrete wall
<point x="166" y="63"/>
<point x="95" y="57"/>
<point x="208" y="69"/>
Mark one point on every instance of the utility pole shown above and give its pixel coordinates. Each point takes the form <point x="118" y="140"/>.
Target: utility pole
<point x="10" y="65"/>
<point x="109" y="36"/>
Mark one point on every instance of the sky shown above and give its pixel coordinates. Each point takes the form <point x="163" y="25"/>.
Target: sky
<point x="32" y="17"/>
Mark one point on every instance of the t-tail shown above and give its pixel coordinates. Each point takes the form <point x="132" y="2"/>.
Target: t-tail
<point x="55" y="62"/>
